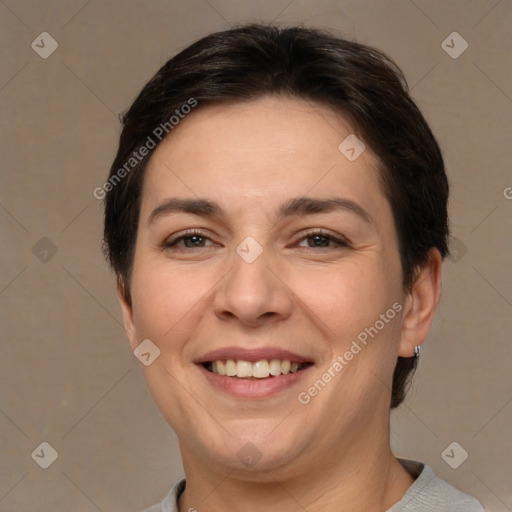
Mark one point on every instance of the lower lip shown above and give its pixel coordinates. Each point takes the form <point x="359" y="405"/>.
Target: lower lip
<point x="253" y="388"/>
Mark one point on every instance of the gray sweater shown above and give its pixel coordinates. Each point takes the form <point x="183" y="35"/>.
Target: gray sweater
<point x="428" y="493"/>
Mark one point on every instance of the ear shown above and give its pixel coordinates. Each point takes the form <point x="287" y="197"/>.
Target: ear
<point x="126" y="308"/>
<point x="421" y="304"/>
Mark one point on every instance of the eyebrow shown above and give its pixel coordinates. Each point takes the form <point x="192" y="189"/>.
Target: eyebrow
<point x="293" y="207"/>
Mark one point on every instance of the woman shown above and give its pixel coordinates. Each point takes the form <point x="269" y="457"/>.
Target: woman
<point x="276" y="216"/>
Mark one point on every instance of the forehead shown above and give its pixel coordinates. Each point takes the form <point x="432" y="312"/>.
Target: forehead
<point x="261" y="151"/>
<point x="269" y="125"/>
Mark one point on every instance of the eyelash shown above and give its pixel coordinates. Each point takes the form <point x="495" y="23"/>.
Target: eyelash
<point x="338" y="242"/>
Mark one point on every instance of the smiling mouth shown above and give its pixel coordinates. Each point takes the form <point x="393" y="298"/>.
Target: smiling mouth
<point x="263" y="369"/>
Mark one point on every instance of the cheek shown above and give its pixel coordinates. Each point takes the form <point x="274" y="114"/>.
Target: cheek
<point x="348" y="298"/>
<point x="166" y="300"/>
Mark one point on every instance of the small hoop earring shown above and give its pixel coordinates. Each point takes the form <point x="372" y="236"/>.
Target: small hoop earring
<point x="417" y="350"/>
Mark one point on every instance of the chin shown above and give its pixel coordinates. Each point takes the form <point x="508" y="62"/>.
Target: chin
<point x="250" y="448"/>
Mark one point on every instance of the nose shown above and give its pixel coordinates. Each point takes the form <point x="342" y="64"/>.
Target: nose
<point x="253" y="294"/>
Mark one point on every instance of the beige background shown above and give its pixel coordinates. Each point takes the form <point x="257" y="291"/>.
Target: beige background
<point x="67" y="374"/>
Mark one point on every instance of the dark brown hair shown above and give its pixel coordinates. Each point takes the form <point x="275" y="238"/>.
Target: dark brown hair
<point x="361" y="83"/>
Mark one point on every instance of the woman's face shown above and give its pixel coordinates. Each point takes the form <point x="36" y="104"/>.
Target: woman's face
<point x="269" y="277"/>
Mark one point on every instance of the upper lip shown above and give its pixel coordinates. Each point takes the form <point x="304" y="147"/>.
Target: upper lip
<point x="251" y="354"/>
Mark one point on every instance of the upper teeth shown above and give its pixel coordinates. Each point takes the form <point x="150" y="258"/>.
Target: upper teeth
<point x="259" y="369"/>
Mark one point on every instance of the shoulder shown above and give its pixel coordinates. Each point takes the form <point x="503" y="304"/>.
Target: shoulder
<point x="430" y="493"/>
<point x="441" y="496"/>
<point x="170" y="502"/>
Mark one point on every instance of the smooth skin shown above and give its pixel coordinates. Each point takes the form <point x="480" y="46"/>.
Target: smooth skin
<point x="304" y="294"/>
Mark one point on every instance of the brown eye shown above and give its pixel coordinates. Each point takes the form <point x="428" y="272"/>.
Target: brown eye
<point x="192" y="239"/>
<point x="319" y="241"/>
<point x="322" y="240"/>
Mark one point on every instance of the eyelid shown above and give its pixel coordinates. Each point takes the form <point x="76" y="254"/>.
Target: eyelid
<point x="174" y="239"/>
<point x="338" y="239"/>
